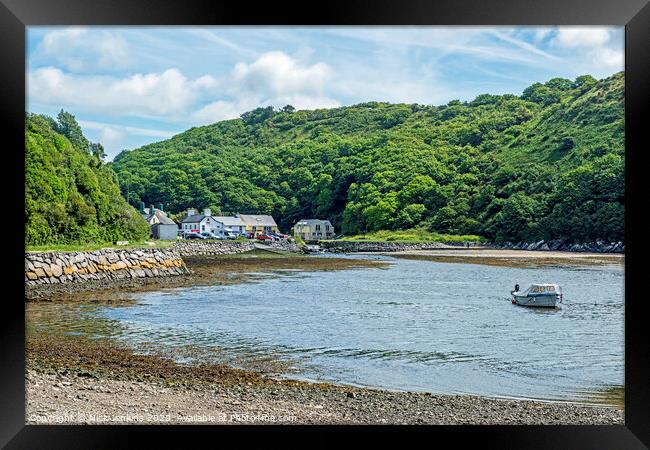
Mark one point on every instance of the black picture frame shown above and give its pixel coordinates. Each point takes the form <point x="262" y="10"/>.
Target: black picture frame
<point x="16" y="15"/>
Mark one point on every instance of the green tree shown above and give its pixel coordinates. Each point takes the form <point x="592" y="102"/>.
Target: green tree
<point x="67" y="125"/>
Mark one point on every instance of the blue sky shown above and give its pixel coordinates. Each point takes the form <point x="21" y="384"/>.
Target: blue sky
<point x="129" y="86"/>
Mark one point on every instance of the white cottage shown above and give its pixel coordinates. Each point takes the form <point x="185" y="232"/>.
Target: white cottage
<point x="199" y="223"/>
<point x="234" y="224"/>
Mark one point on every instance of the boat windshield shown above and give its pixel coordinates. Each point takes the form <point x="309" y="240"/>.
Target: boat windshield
<point x="539" y="289"/>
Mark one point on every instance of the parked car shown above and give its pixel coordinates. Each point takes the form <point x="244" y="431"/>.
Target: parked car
<point x="230" y="235"/>
<point x="193" y="235"/>
<point x="264" y="237"/>
<point x="210" y="235"/>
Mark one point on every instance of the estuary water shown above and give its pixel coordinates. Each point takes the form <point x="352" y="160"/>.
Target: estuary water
<point x="416" y="325"/>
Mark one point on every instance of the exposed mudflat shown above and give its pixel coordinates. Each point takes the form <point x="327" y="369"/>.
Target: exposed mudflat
<point x="512" y="258"/>
<point x="73" y="380"/>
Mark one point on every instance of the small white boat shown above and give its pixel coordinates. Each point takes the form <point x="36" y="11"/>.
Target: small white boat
<point x="539" y="295"/>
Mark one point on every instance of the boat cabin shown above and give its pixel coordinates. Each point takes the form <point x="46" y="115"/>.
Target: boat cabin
<point x="543" y="289"/>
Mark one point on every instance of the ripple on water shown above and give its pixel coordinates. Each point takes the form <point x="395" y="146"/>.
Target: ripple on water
<point x="417" y="325"/>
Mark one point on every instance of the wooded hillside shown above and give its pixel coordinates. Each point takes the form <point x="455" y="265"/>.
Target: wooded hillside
<point x="71" y="196"/>
<point x="548" y="164"/>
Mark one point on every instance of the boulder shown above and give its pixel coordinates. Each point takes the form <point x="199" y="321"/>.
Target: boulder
<point x="57" y="271"/>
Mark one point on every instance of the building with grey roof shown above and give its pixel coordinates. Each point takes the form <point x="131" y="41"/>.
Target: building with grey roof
<point x="313" y="229"/>
<point x="259" y="223"/>
<point x="202" y="223"/>
<point x="234" y="224"/>
<point x="162" y="227"/>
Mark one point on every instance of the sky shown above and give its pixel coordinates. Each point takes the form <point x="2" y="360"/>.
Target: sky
<point x="130" y="86"/>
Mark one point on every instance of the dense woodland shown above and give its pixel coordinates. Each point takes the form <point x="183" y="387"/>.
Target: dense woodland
<point x="548" y="164"/>
<point x="71" y="196"/>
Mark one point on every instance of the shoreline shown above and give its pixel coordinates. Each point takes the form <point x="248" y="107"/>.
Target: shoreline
<point x="204" y="270"/>
<point x="510" y="258"/>
<point x="200" y="275"/>
<point x="73" y="379"/>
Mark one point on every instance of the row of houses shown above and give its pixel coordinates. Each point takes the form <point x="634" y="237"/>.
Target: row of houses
<point x="248" y="225"/>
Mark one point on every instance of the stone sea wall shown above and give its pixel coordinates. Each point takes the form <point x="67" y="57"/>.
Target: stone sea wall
<point x="203" y="248"/>
<point x="210" y="248"/>
<point x="363" y="246"/>
<point x="107" y="264"/>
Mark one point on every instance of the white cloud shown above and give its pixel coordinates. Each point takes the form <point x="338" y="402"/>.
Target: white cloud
<point x="111" y="138"/>
<point x="446" y="41"/>
<point x="523" y="45"/>
<point x="91" y="125"/>
<point x="78" y="49"/>
<point x="609" y="58"/>
<point x="574" y="37"/>
<point x="276" y="74"/>
<point x="115" y="138"/>
<point x="274" y="79"/>
<point x="221" y="110"/>
<point x="168" y="93"/>
<point x="216" y="38"/>
<point x="541" y="33"/>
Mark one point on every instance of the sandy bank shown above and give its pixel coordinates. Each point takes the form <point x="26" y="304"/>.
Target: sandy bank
<point x="512" y="258"/>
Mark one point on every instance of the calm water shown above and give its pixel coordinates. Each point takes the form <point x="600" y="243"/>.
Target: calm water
<point x="418" y="325"/>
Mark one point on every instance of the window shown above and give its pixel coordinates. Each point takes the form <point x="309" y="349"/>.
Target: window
<point x="327" y="227"/>
<point x="317" y="227"/>
<point x="202" y="227"/>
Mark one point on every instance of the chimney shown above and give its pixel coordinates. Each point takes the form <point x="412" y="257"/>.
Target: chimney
<point x="190" y="212"/>
<point x="142" y="208"/>
<point x="160" y="206"/>
<point x="151" y="209"/>
<point x="207" y="212"/>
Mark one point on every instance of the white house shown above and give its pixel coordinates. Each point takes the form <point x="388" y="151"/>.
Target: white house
<point x="234" y="224"/>
<point x="199" y="223"/>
